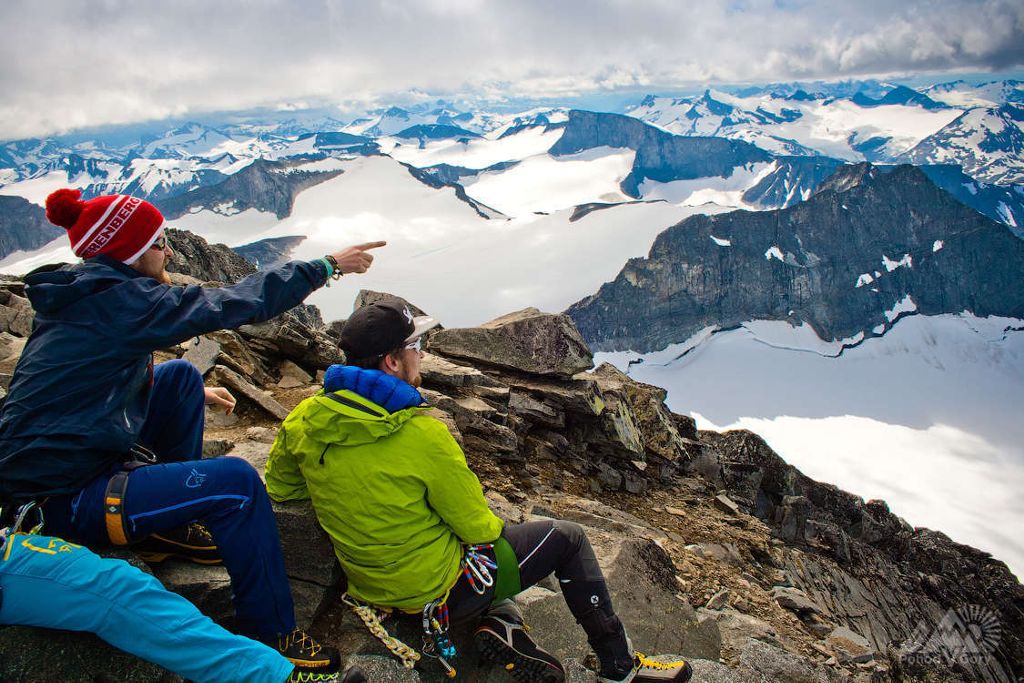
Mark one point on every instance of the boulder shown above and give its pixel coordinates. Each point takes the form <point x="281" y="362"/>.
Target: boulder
<point x="440" y="373"/>
<point x="294" y="339"/>
<point x="203" y="353"/>
<point x="16" y="314"/>
<point x="718" y="600"/>
<point x="292" y="375"/>
<point x="736" y="627"/>
<point x="527" y="341"/>
<point x="643" y="587"/>
<point x="654" y="424"/>
<point x="237" y="354"/>
<point x="232" y="380"/>
<point x="794" y="600"/>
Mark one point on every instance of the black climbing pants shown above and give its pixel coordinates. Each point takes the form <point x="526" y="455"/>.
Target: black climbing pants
<point x="560" y="548"/>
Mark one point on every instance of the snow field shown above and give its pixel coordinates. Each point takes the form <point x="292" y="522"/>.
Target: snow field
<point x="926" y="417"/>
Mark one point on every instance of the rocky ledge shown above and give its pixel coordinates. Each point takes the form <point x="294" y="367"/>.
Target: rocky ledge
<point x="715" y="548"/>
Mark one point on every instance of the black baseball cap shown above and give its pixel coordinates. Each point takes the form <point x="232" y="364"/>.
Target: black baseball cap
<point x="380" y="327"/>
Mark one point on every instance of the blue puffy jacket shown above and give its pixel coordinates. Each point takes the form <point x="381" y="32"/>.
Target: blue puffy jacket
<point x="80" y="392"/>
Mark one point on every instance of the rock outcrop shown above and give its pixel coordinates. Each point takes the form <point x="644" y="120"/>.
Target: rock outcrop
<point x="867" y="248"/>
<point x="528" y="341"/>
<point x="714" y="548"/>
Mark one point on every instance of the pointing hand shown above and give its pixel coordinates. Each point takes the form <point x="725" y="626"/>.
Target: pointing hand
<point x="356" y="259"/>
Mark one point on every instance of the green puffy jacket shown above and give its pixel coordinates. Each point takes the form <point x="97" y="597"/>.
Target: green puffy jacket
<point x="392" y="490"/>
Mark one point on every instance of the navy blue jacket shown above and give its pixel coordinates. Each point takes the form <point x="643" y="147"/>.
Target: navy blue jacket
<point x="80" y="392"/>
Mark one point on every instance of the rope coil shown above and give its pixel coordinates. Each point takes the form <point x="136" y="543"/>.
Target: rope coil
<point x="371" y="619"/>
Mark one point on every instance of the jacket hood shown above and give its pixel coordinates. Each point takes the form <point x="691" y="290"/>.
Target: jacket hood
<point x="53" y="287"/>
<point x="373" y="405"/>
<point x="365" y="421"/>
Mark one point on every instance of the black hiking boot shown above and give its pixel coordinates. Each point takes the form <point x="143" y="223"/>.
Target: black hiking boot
<point x="314" y="663"/>
<point x="192" y="542"/>
<point x="506" y="643"/>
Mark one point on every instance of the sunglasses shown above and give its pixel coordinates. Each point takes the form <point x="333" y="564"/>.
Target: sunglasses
<point x="161" y="243"/>
<point x="416" y="344"/>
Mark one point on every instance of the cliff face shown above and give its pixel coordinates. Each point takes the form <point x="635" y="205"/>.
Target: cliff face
<point x="660" y="156"/>
<point x="867" y="247"/>
<point x="23" y="226"/>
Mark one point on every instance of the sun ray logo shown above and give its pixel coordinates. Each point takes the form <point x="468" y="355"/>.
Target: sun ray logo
<point x="195" y="479"/>
<point x="967" y="635"/>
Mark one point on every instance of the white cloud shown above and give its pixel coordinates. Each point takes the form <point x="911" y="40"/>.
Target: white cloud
<point x="69" y="63"/>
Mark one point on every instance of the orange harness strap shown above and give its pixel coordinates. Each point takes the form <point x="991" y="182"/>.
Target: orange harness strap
<point x="113" y="503"/>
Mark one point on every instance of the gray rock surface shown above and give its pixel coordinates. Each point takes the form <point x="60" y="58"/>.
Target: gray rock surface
<point x="528" y="341"/>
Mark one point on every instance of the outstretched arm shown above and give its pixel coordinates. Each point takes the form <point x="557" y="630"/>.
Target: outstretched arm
<point x="169" y="315"/>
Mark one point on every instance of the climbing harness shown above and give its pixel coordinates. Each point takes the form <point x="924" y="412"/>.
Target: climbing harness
<point x="479" y="570"/>
<point x="117" y="487"/>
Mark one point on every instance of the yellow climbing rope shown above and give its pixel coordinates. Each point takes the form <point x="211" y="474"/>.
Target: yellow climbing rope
<point x="371" y="619"/>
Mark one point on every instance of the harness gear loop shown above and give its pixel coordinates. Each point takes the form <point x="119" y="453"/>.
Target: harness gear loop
<point x="113" y="508"/>
<point x="371" y="619"/>
<point x="437" y="644"/>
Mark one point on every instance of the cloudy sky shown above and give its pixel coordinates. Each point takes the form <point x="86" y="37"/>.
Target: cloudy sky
<point x="72" y="63"/>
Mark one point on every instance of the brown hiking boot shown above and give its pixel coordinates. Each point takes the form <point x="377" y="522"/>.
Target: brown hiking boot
<point x="192" y="542"/>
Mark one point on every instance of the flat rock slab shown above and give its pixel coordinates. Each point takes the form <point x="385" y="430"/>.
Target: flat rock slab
<point x="202" y="352"/>
<point x="528" y="341"/>
<point x="848" y="646"/>
<point x="794" y="599"/>
<point x="232" y="380"/>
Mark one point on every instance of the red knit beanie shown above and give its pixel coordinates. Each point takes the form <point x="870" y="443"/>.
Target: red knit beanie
<point x="119" y="226"/>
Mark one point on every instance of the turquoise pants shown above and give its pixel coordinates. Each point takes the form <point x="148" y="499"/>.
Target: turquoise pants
<point x="50" y="583"/>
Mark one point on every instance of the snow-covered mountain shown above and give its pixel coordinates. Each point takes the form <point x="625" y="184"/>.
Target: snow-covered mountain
<point x="965" y="95"/>
<point x="988" y="143"/>
<point x="801" y="123"/>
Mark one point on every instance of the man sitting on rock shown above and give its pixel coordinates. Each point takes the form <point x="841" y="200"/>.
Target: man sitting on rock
<point x="408" y="518"/>
<point x="87" y="414"/>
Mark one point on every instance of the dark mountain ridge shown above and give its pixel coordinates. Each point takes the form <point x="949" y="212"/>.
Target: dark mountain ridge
<point x="840" y="261"/>
<point x="262" y="185"/>
<point x="23" y="226"/>
<point x="660" y="155"/>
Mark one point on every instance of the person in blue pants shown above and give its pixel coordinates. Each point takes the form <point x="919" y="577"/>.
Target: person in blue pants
<point x="85" y="399"/>
<point x="49" y="583"/>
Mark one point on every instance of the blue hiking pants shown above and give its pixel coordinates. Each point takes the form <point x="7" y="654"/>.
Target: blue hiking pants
<point x="225" y="494"/>
<point x="49" y="583"/>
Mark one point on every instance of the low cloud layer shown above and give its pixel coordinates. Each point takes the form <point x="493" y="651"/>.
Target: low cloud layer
<point x="69" y="64"/>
